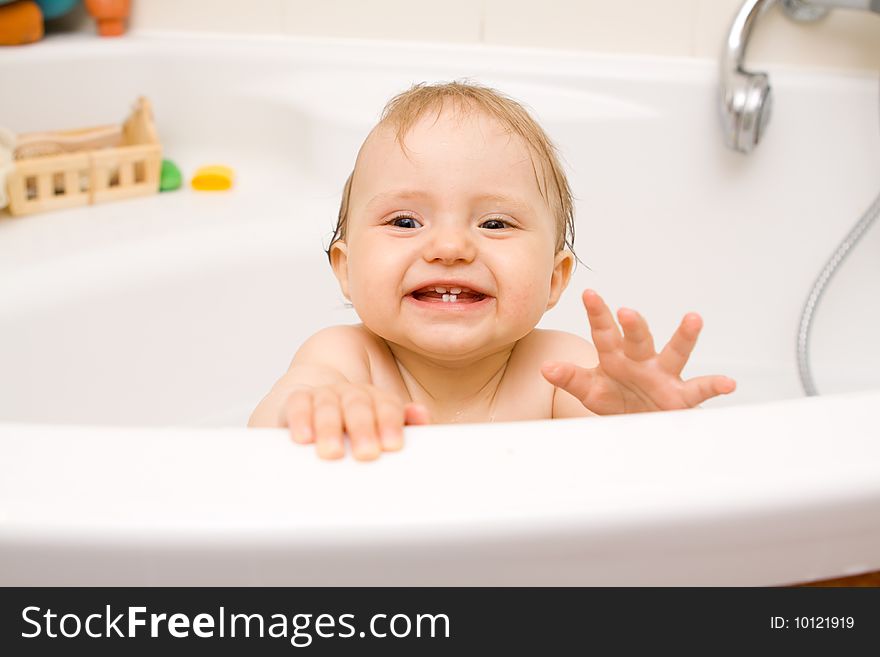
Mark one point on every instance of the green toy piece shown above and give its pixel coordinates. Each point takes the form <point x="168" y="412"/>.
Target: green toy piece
<point x="170" y="178"/>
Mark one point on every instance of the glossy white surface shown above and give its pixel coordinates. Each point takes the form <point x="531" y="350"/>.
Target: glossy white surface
<point x="130" y="329"/>
<point x="684" y="28"/>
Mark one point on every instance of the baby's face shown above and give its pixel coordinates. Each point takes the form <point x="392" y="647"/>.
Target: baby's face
<point x="449" y="252"/>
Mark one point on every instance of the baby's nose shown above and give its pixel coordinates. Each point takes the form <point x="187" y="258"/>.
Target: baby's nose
<point x="449" y="245"/>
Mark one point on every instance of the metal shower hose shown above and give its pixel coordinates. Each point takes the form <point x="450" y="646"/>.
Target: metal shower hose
<point x="806" y="324"/>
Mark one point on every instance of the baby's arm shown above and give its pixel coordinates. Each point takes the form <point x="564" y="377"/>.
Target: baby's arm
<point x="327" y="391"/>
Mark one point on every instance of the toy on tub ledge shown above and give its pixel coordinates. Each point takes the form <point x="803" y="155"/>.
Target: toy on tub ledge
<point x="65" y="169"/>
<point x="213" y="178"/>
<point x="22" y="21"/>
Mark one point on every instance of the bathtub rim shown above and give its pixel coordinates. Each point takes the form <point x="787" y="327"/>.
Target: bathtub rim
<point x="794" y="488"/>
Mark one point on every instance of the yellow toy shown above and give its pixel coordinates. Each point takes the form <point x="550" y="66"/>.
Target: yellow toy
<point x="213" y="178"/>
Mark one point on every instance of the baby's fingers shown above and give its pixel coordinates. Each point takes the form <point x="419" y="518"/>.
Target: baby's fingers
<point x="389" y="420"/>
<point x="675" y="354"/>
<point x="606" y="335"/>
<point x="327" y="419"/>
<point x="638" y="343"/>
<point x="573" y="379"/>
<point x="415" y="413"/>
<point x="360" y="423"/>
<point x="298" y="416"/>
<point x="701" y="388"/>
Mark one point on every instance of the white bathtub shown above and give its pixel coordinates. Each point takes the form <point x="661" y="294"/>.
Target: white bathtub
<point x="135" y="337"/>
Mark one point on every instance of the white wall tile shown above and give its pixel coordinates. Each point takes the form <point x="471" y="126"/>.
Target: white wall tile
<point x="410" y="20"/>
<point x="844" y="39"/>
<point x="229" y="16"/>
<point x="632" y="26"/>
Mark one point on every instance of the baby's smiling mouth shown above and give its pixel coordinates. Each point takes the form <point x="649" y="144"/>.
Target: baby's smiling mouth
<point x="447" y="294"/>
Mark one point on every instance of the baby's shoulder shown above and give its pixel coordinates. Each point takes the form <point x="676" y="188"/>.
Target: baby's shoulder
<point x="547" y="344"/>
<point x="350" y="348"/>
<point x="345" y="348"/>
<point x="343" y="336"/>
<point x="527" y="394"/>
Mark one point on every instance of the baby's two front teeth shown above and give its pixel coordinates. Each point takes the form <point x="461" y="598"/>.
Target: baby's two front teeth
<point x="452" y="297"/>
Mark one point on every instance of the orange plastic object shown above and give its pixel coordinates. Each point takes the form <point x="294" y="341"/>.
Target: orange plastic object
<point x="20" y="23"/>
<point x="110" y="15"/>
<point x="213" y="178"/>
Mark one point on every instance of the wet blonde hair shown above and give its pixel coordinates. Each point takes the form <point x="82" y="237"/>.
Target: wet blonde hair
<point x="406" y="108"/>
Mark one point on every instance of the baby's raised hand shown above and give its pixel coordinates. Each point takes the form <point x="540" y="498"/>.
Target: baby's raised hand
<point x="631" y="377"/>
<point x="372" y="418"/>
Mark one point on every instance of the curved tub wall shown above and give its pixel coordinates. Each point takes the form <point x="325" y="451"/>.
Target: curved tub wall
<point x="180" y="310"/>
<point x="682" y="498"/>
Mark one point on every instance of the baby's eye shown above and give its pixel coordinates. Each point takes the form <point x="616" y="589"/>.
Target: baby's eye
<point x="404" y="221"/>
<point x="494" y="224"/>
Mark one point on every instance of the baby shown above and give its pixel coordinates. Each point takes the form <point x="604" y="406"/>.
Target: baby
<point x="454" y="237"/>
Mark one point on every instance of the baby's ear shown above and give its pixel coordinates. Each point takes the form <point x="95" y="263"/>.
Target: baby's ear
<point x="339" y="262"/>
<point x="563" y="264"/>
